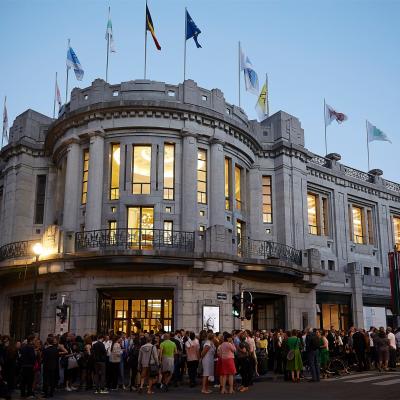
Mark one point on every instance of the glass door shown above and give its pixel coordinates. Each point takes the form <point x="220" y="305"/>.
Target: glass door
<point x="140" y="227"/>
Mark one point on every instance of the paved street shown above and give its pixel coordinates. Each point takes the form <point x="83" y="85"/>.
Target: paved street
<point x="368" y="386"/>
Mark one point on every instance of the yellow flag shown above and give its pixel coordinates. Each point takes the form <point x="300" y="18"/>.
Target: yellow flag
<point x="262" y="103"/>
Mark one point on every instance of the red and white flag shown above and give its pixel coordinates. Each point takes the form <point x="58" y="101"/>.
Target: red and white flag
<point x="331" y="115"/>
<point x="58" y="95"/>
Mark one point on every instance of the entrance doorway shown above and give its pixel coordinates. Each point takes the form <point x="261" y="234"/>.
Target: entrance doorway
<point x="135" y="310"/>
<point x="270" y="311"/>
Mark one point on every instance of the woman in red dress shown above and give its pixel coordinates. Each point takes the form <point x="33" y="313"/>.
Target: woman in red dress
<point x="226" y="353"/>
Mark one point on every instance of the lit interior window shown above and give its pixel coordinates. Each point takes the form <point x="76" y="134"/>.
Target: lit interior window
<point x="141" y="174"/>
<point x="114" y="172"/>
<point x="169" y="163"/>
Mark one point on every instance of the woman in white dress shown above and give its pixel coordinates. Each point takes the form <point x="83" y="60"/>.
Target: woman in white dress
<point x="207" y="361"/>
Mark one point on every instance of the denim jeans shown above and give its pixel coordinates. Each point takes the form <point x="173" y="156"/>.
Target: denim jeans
<point x="313" y="363"/>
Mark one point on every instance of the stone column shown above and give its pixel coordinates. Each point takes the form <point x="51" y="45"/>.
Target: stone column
<point x="95" y="182"/>
<point x="217" y="184"/>
<point x="189" y="183"/>
<point x="72" y="187"/>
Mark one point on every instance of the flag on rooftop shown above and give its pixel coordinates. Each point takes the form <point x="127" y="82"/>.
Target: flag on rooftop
<point x="376" y="134"/>
<point x="192" y="31"/>
<point x="331" y="115"/>
<point x="4" y="137"/>
<point x="262" y="103"/>
<point x="109" y="34"/>
<point x="250" y="75"/>
<point x="73" y="62"/>
<point x="58" y="95"/>
<point x="150" y="27"/>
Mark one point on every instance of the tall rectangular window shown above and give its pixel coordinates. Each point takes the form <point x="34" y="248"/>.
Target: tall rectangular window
<point x="112" y="227"/>
<point x="85" y="175"/>
<point x="114" y="171"/>
<point x="169" y="171"/>
<point x="358" y="225"/>
<point x="318" y="214"/>
<point x="40" y="198"/>
<point x="140" y="227"/>
<point x="168" y="229"/>
<point x="312" y="203"/>
<point x="228" y="188"/>
<point x="267" y="199"/>
<point x="396" y="231"/>
<point x="202" y="176"/>
<point x="141" y="173"/>
<point x="238" y="188"/>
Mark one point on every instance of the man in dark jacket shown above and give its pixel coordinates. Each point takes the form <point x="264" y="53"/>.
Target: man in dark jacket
<point x="312" y="349"/>
<point x="50" y="367"/>
<point x="359" y="346"/>
<point x="99" y="354"/>
<point x="27" y="361"/>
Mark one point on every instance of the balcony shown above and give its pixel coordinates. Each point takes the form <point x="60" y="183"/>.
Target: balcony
<point x="261" y="249"/>
<point x="17" y="250"/>
<point x="134" y="239"/>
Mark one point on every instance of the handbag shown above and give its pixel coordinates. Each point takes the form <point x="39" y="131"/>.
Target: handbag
<point x="290" y="354"/>
<point x="72" y="362"/>
<point x="153" y="368"/>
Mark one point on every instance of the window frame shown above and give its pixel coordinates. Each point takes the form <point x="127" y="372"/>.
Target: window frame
<point x="168" y="197"/>
<point x="239" y="202"/>
<point x="141" y="184"/>
<point x="202" y="197"/>
<point x="85" y="175"/>
<point x="228" y="183"/>
<point x="114" y="191"/>
<point x="368" y="223"/>
<point x="40" y="205"/>
<point x="322" y="206"/>
<point x="264" y="196"/>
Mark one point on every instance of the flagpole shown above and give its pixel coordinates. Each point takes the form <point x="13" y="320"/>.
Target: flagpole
<point x="2" y="135"/>
<point x="145" y="42"/>
<point x="267" y="90"/>
<point x="239" y="69"/>
<point x="366" y="129"/>
<point x="184" y="51"/>
<point x="326" y="143"/>
<point x="66" y="85"/>
<point x="108" y="44"/>
<point x="55" y="94"/>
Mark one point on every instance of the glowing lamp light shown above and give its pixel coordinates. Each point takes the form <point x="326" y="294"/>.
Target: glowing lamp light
<point x="37" y="249"/>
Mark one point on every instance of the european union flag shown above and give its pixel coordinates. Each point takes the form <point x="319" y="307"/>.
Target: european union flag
<point x="192" y="31"/>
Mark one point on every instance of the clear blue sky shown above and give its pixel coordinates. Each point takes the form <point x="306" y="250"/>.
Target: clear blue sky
<point x="346" y="51"/>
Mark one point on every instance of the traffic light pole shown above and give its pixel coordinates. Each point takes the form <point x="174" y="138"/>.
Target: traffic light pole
<point x="241" y="308"/>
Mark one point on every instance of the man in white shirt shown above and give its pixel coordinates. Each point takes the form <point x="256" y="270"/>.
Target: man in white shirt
<point x="392" y="349"/>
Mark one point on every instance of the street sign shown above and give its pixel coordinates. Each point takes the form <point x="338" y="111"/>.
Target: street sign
<point x="221" y="296"/>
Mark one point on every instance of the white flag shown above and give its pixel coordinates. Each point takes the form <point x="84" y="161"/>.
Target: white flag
<point x="331" y="115"/>
<point x="109" y="33"/>
<point x="73" y="62"/>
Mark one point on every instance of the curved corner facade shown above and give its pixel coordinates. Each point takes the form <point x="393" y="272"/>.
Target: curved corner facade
<point x="156" y="203"/>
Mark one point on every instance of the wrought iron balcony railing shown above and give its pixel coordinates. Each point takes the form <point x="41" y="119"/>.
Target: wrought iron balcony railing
<point x="249" y="248"/>
<point x="17" y="249"/>
<point x="134" y="239"/>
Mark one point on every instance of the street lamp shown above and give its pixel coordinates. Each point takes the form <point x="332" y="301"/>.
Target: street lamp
<point x="37" y="250"/>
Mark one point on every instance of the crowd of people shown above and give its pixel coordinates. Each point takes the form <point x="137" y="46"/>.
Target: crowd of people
<point x="149" y="361"/>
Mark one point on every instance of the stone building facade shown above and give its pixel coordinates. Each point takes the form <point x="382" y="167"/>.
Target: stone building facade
<point x="156" y="203"/>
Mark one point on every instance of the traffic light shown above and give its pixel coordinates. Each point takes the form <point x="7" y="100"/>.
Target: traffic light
<point x="62" y="313"/>
<point x="249" y="310"/>
<point x="248" y="305"/>
<point x="236" y="305"/>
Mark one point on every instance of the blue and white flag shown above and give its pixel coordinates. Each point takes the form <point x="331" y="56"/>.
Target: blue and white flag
<point x="109" y="34"/>
<point x="376" y="134"/>
<point x="250" y="75"/>
<point x="73" y="62"/>
<point x="192" y="31"/>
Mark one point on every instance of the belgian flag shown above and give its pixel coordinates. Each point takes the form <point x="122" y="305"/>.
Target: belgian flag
<point x="150" y="27"/>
